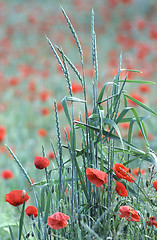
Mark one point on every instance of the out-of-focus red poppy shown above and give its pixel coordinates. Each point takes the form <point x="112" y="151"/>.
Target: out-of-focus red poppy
<point x="95" y="176"/>
<point x="126" y="1"/>
<point x="51" y="155"/>
<point x="14" y="81"/>
<point x="7" y="174"/>
<point x="144" y="88"/>
<point x="58" y="220"/>
<point x="137" y="97"/>
<point x="155" y="184"/>
<point x="45" y="111"/>
<point x="31" y="211"/>
<point x="42" y="132"/>
<point x="129" y="213"/>
<point x="44" y="95"/>
<point x="152" y="221"/>
<point x="16" y="197"/>
<point x="2" y="133"/>
<point x="41" y="162"/>
<point x="140" y="24"/>
<point x="124" y="125"/>
<point x="122" y="172"/>
<point x="135" y="171"/>
<point x="32" y="86"/>
<point x="76" y="87"/>
<point x="121" y="190"/>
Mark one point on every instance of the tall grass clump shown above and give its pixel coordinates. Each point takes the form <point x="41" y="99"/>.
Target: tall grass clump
<point x="93" y="190"/>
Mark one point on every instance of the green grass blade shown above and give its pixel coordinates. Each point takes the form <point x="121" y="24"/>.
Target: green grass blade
<point x="140" y="104"/>
<point x="103" y="90"/>
<point x="11" y="233"/>
<point x="137" y="81"/>
<point x="21" y="223"/>
<point x="48" y="202"/>
<point x="66" y="111"/>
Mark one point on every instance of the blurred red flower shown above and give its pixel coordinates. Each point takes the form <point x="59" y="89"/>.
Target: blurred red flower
<point x="122" y="172"/>
<point x="95" y="176"/>
<point x="31" y="210"/>
<point x="51" y="155"/>
<point x="42" y="132"/>
<point x="58" y="220"/>
<point x="2" y="133"/>
<point x="14" y="81"/>
<point x="45" y="111"/>
<point x="41" y="162"/>
<point x="44" y="95"/>
<point x="155" y="184"/>
<point x="135" y="171"/>
<point x="7" y="174"/>
<point x="16" y="197"/>
<point x="125" y="125"/>
<point x="152" y="221"/>
<point x="144" y="88"/>
<point x="121" y="190"/>
<point x="76" y="87"/>
<point x="129" y="213"/>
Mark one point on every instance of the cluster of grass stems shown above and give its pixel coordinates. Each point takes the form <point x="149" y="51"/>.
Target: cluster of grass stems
<point x="93" y="211"/>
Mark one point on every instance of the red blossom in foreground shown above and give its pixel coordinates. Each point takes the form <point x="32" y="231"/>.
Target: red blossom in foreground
<point x="2" y="133"/>
<point x="57" y="221"/>
<point x="16" y="197"/>
<point x="31" y="210"/>
<point x="122" y="172"/>
<point x="95" y="176"/>
<point x="121" y="190"/>
<point x="41" y="162"/>
<point x="135" y="171"/>
<point x="7" y="174"/>
<point x="155" y="184"/>
<point x="152" y="221"/>
<point x="129" y="213"/>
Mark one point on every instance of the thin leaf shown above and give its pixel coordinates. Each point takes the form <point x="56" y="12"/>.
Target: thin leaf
<point x="21" y="222"/>
<point x="140" y="104"/>
<point x="64" y="104"/>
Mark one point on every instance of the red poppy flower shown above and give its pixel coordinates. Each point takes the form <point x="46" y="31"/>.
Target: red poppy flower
<point x="45" y="111"/>
<point x="95" y="176"/>
<point x="155" y="184"/>
<point x="122" y="172"/>
<point x="76" y="87"/>
<point x="41" y="162"/>
<point x="42" y="132"/>
<point x="152" y="221"/>
<point x="16" y="197"/>
<point x="135" y="171"/>
<point x="57" y="221"/>
<point x="31" y="210"/>
<point x="121" y="190"/>
<point x="51" y="155"/>
<point x="44" y="95"/>
<point x="144" y="88"/>
<point x="129" y="213"/>
<point x="125" y="125"/>
<point x="7" y="174"/>
<point x="2" y="133"/>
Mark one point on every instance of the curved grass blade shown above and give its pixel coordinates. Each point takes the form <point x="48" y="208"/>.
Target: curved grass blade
<point x="103" y="90"/>
<point x="65" y="107"/>
<point x="140" y="104"/>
